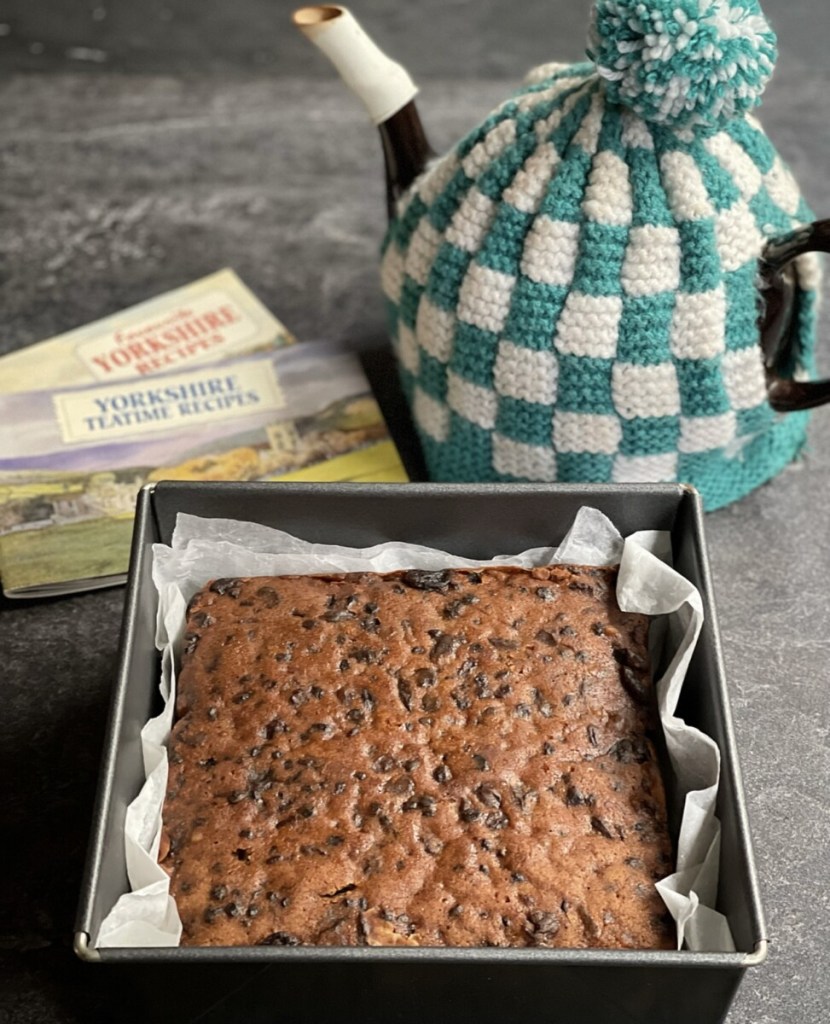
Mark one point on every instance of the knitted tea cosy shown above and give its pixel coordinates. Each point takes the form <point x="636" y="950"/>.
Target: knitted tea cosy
<point x="573" y="289"/>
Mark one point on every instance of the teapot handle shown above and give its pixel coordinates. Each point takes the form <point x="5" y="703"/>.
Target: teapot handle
<point x="779" y="320"/>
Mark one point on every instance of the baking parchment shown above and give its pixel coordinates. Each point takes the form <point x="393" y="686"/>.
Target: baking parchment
<point x="203" y="549"/>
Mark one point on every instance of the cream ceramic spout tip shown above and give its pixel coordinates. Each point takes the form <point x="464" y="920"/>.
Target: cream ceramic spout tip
<point x="310" y="19"/>
<point x="382" y="85"/>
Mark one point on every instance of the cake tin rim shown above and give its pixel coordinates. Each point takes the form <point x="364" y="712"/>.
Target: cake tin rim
<point x="461" y="955"/>
<point x="148" y="528"/>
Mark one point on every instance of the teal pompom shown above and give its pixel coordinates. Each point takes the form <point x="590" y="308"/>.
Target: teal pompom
<point x="683" y="63"/>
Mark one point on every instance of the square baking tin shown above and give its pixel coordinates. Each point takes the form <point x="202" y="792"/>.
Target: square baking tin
<point x="386" y="985"/>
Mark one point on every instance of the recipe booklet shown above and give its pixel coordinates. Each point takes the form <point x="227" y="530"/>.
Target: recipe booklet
<point x="213" y="318"/>
<point x="72" y="458"/>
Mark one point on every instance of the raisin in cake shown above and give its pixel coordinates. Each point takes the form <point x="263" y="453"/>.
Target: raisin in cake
<point x="455" y="758"/>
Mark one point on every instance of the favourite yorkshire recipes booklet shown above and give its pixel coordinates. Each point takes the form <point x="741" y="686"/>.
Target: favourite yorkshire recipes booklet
<point x="213" y="318"/>
<point x="72" y="458"/>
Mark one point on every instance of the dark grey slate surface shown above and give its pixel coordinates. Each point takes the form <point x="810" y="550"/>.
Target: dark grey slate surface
<point x="144" y="144"/>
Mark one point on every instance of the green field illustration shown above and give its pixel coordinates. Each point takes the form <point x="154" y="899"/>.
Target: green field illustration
<point x="90" y="549"/>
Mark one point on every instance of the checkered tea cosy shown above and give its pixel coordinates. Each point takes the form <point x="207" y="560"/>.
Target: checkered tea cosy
<point x="573" y="289"/>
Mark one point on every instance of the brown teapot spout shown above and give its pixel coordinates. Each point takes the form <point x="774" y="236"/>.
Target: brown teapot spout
<point x="383" y="86"/>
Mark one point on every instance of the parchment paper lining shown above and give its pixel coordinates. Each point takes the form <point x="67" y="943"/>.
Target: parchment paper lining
<point x="203" y="549"/>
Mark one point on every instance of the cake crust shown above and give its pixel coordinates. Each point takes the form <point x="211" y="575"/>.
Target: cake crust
<point x="450" y="758"/>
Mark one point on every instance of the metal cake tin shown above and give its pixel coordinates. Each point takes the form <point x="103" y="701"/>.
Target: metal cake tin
<point x="386" y="985"/>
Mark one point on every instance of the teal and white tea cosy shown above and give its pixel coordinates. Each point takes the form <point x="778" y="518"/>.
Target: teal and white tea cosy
<point x="573" y="289"/>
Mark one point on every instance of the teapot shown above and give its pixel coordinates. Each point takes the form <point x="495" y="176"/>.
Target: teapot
<point x="614" y="277"/>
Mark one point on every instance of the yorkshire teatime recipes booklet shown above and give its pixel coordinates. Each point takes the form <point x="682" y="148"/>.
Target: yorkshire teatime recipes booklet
<point x="72" y="458"/>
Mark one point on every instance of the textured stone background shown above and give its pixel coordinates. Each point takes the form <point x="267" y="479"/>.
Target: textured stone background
<point x="145" y="143"/>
